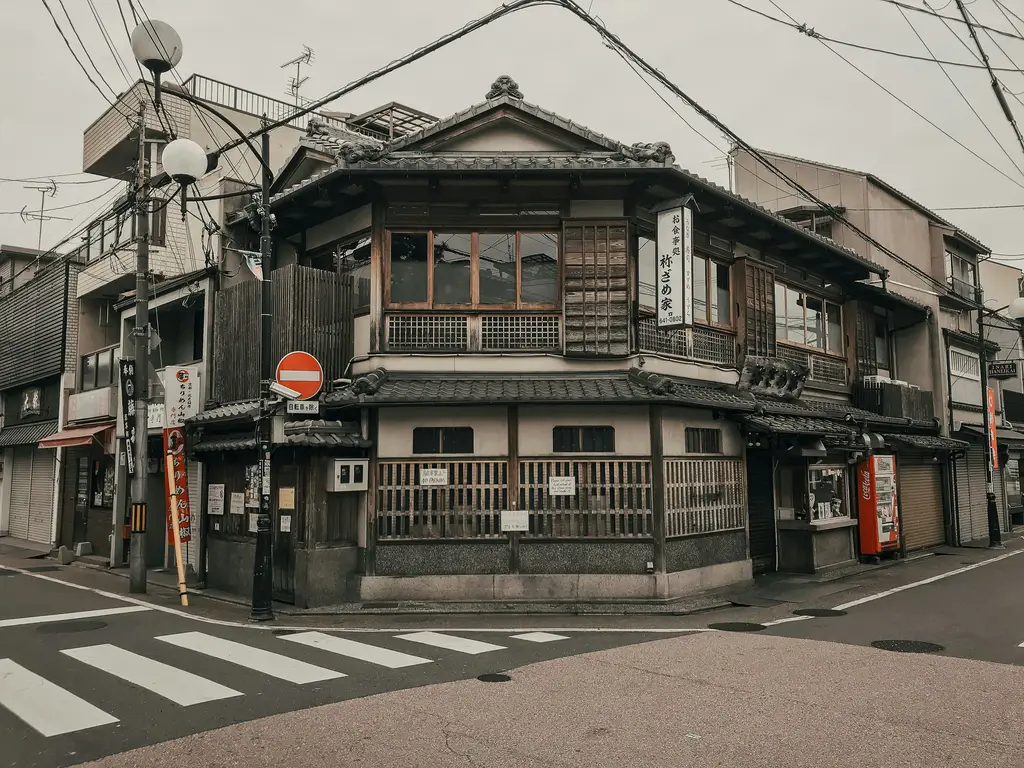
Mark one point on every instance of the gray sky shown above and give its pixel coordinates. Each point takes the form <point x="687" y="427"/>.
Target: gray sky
<point x="777" y="88"/>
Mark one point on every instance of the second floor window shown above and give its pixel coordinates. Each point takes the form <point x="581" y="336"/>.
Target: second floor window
<point x="703" y="440"/>
<point x="712" y="302"/>
<point x="960" y="274"/>
<point x="808" y="320"/>
<point x="964" y="365"/>
<point x="483" y="270"/>
<point x="442" y="440"/>
<point x="583" y="440"/>
<point x="97" y="369"/>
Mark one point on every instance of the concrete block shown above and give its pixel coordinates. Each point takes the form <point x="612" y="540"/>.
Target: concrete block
<point x="432" y="588"/>
<point x="83" y="548"/>
<point x="536" y="587"/>
<point x="65" y="556"/>
<point x="616" y="586"/>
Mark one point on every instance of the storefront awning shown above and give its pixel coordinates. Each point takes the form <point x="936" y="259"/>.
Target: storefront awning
<point x="73" y="436"/>
<point x="1006" y="437"/>
<point x="26" y="434"/>
<point x="927" y="442"/>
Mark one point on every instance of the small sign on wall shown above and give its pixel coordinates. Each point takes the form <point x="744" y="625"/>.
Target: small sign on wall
<point x="215" y="499"/>
<point x="514" y="520"/>
<point x="252" y="522"/>
<point x="285" y="498"/>
<point x="434" y="477"/>
<point x="562" y="486"/>
<point x="310" y="407"/>
<point x="286" y="523"/>
<point x="237" y="503"/>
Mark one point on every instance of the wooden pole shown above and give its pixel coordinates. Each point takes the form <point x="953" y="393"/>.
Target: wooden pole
<point x="175" y="530"/>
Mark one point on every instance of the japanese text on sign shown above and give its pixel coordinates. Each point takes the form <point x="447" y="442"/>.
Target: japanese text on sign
<point x="431" y="477"/>
<point x="126" y="367"/>
<point x="674" y="267"/>
<point x="177" y="485"/>
<point x="181" y="388"/>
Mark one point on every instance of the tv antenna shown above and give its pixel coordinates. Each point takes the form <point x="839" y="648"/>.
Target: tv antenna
<point x="45" y="190"/>
<point x="295" y="83"/>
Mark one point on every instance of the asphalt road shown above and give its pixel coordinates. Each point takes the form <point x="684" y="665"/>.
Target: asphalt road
<point x="75" y="687"/>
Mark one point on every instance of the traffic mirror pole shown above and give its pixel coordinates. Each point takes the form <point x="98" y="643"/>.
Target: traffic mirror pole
<point x="262" y="568"/>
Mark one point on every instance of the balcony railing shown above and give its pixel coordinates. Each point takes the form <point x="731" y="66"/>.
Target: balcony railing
<point x="706" y="345"/>
<point x="962" y="288"/>
<point x="895" y="400"/>
<point x="823" y="369"/>
<point x="453" y="332"/>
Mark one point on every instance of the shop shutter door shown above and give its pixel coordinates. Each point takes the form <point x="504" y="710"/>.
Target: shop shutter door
<point x="973" y="512"/>
<point x="21" y="491"/>
<point x="997" y="485"/>
<point x="761" y="510"/>
<point x="44" y="465"/>
<point x="921" y="505"/>
<point x="190" y="551"/>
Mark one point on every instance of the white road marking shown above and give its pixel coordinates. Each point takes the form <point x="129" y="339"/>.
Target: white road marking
<point x="172" y="683"/>
<point x="257" y="659"/>
<point x="1021" y="645"/>
<point x="786" y="620"/>
<point x="450" y="642"/>
<point x="539" y="637"/>
<point x="54" y="617"/>
<point x="46" y="707"/>
<point x="353" y="649"/>
<point x="932" y="580"/>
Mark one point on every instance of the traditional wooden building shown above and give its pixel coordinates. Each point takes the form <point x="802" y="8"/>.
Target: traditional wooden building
<point x="522" y="427"/>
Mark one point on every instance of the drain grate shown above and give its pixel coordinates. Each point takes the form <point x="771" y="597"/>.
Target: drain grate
<point x="374" y="605"/>
<point x="907" y="646"/>
<point x="494" y="677"/>
<point x="59" y="628"/>
<point x="818" y="613"/>
<point x="737" y="626"/>
<point x="43" y="568"/>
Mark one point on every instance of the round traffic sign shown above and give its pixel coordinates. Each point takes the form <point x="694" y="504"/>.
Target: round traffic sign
<point x="301" y="373"/>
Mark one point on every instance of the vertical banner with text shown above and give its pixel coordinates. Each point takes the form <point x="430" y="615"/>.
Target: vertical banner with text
<point x="993" y="446"/>
<point x="174" y="445"/>
<point x="674" y="270"/>
<point x="126" y="368"/>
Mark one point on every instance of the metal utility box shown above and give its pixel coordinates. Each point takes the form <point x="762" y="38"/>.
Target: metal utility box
<point x="347" y="475"/>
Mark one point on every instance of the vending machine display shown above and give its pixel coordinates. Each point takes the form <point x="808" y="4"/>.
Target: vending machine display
<point x="876" y="505"/>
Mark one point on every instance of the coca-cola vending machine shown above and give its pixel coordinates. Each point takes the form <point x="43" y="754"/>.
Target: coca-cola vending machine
<point x="876" y="505"/>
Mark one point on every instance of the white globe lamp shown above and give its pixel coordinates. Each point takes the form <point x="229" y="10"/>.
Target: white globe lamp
<point x="1016" y="308"/>
<point x="156" y="46"/>
<point x="184" y="161"/>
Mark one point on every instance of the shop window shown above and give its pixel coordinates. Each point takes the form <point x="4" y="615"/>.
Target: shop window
<point x="583" y="440"/>
<point x="442" y="440"/>
<point x="703" y="440"/>
<point x="102" y="483"/>
<point x="464" y="270"/>
<point x="808" y="320"/>
<point x="827" y="492"/>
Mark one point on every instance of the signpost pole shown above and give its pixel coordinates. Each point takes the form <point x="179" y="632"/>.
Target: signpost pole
<point x="175" y="522"/>
<point x="995" y="536"/>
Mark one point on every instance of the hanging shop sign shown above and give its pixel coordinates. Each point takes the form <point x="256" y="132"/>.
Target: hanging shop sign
<point x="674" y="270"/>
<point x="993" y="448"/>
<point x="126" y="370"/>
<point x="181" y="395"/>
<point x="1002" y="369"/>
<point x="176" y="484"/>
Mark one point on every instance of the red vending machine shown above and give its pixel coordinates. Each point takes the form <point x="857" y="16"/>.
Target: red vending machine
<point x="876" y="505"/>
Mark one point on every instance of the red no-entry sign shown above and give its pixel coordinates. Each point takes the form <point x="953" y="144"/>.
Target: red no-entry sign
<point x="301" y="373"/>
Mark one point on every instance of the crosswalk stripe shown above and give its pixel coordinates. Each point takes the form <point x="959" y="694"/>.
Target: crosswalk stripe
<point x="451" y="642"/>
<point x="539" y="637"/>
<point x="342" y="646"/>
<point x="172" y="683"/>
<point x="55" y="617"/>
<point x="268" y="663"/>
<point x="44" y="706"/>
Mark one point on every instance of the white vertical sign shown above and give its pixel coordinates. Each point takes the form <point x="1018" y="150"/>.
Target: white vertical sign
<point x="675" y="267"/>
<point x="181" y="394"/>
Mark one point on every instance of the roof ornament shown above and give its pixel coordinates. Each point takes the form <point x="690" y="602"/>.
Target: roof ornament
<point x="359" y="151"/>
<point x="504" y="86"/>
<point x="658" y="152"/>
<point x="316" y="126"/>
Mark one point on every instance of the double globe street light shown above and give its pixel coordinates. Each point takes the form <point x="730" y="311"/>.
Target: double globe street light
<point x="158" y="47"/>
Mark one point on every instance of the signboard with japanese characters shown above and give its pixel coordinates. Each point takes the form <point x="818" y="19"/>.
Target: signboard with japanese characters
<point x="174" y="445"/>
<point x="433" y="476"/>
<point x="215" y="499"/>
<point x="992" y="444"/>
<point x="674" y="270"/>
<point x="181" y="394"/>
<point x="126" y="370"/>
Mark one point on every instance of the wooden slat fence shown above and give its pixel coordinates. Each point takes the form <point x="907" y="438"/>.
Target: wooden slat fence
<point x="704" y="496"/>
<point x="613" y="498"/>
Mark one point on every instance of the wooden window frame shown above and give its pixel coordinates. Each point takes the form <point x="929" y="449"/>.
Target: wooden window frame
<point x="698" y="432"/>
<point x="710" y="260"/>
<point x="579" y="431"/>
<point x="474" y="304"/>
<point x="440" y="441"/>
<point x="825" y="301"/>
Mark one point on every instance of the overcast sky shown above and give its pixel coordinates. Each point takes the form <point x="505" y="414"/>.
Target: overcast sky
<point x="775" y="87"/>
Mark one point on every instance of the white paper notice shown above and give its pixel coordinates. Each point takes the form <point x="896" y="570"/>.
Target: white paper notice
<point x="513" y="520"/>
<point x="252" y="522"/>
<point x="434" y="476"/>
<point x="215" y="499"/>
<point x="562" y="486"/>
<point x="237" y="503"/>
<point x="286" y="523"/>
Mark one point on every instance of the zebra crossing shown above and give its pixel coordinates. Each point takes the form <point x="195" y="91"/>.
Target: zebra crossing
<point x="52" y="710"/>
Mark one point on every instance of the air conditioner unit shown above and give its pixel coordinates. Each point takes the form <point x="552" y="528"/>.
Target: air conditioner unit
<point x="873" y="380"/>
<point x="347" y="475"/>
<point x="912" y="386"/>
<point x="898" y="382"/>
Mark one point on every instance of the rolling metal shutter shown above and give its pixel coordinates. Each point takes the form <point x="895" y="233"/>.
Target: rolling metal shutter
<point x="973" y="512"/>
<point x="761" y="510"/>
<point x="920" y="486"/>
<point x="32" y="494"/>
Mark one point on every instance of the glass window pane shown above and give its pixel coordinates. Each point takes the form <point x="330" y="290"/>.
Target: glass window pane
<point x="835" y="328"/>
<point x="780" y="312"/>
<point x="648" y="255"/>
<point x="881" y="343"/>
<point x="539" y="254"/>
<point x="720" y="302"/>
<point x="794" y="316"/>
<point x="815" y="322"/>
<point x="89" y="372"/>
<point x="408" y="268"/>
<point x="827" y="493"/>
<point x="104" y="366"/>
<point x="700" y="289"/>
<point x="452" y="265"/>
<point x="498" y="269"/>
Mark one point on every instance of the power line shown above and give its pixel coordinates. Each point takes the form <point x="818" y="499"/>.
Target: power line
<point x="81" y="66"/>
<point x="69" y="205"/>
<point x="85" y="50"/>
<point x="43" y="177"/>
<point x="118" y="61"/>
<point x="936" y="14"/>
<point x="814" y="34"/>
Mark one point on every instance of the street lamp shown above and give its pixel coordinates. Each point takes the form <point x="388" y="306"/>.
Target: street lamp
<point x="158" y="48"/>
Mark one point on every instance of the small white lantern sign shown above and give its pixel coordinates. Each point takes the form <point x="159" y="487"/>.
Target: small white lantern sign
<point x="562" y="486"/>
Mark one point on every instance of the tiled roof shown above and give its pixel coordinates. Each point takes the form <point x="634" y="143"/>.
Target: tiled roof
<point x="225" y="444"/>
<point x="969" y="340"/>
<point x="829" y="409"/>
<point x="610" y="387"/>
<point x="502" y="161"/>
<point x="797" y="425"/>
<point x="927" y="442"/>
<point x="27" y="434"/>
<point x="232" y="412"/>
<point x="320" y="433"/>
<point x="888" y="188"/>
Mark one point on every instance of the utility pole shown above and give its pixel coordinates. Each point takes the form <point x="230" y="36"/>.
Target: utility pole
<point x="996" y="87"/>
<point x="140" y="483"/>
<point x="262" y="569"/>
<point x="995" y="536"/>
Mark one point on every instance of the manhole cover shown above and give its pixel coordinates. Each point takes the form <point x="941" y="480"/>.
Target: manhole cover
<point x="494" y="677"/>
<point x="284" y="632"/>
<point x="737" y="626"/>
<point x="818" y="613"/>
<point x="907" y="646"/>
<point x="43" y="568"/>
<point x="70" y="626"/>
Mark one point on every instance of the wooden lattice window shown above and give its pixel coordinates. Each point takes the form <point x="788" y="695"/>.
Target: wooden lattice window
<point x="757" y="296"/>
<point x="596" y="305"/>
